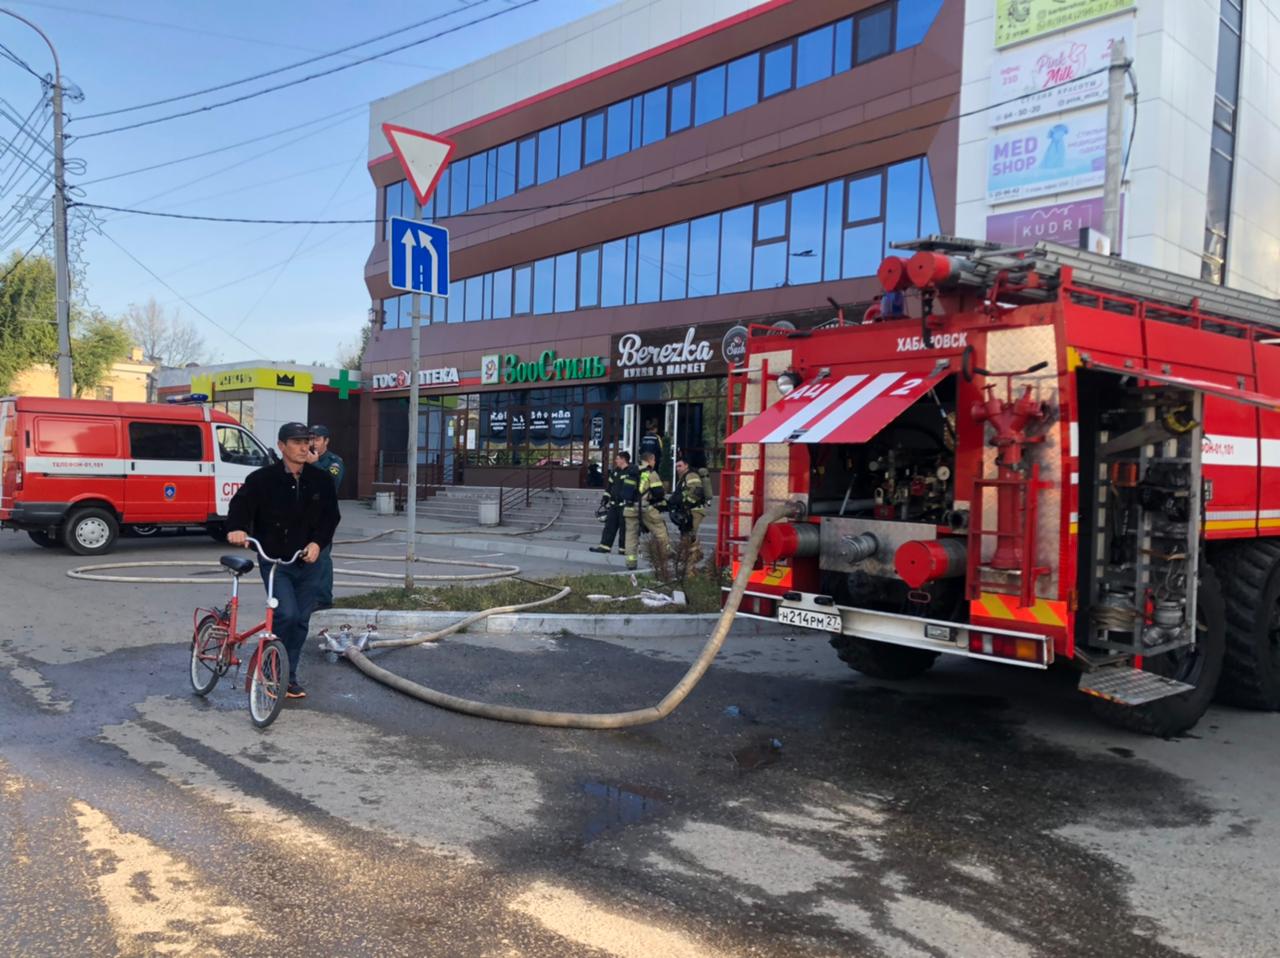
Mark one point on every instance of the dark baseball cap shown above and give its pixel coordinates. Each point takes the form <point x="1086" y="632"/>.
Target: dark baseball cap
<point x="294" y="430"/>
<point x="321" y="432"/>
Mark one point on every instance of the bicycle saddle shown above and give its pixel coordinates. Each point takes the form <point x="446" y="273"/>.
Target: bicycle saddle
<point x="238" y="565"/>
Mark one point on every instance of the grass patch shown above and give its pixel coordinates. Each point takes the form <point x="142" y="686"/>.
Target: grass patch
<point x="702" y="593"/>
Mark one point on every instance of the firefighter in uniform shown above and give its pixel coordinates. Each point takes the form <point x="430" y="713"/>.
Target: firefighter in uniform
<point x="689" y="505"/>
<point x="622" y="487"/>
<point x="331" y="463"/>
<point x="652" y="494"/>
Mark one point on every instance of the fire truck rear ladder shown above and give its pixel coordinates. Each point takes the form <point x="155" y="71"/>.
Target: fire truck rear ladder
<point x="737" y="511"/>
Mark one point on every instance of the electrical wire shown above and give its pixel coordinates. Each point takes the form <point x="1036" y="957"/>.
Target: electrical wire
<point x="31" y="249"/>
<point x="273" y="72"/>
<point x="18" y="61"/>
<point x="310" y="76"/>
<point x="1133" y="129"/>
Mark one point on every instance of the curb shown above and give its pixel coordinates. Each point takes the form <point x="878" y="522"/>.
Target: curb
<point x="606" y="626"/>
<point x="510" y="545"/>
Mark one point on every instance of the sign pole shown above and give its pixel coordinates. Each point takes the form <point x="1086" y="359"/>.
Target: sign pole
<point x="411" y="503"/>
<point x="1115" y="145"/>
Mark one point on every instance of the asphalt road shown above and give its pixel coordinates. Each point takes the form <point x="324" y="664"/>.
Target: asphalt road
<point x="789" y="808"/>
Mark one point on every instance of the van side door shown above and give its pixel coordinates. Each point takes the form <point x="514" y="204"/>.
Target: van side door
<point x="236" y="454"/>
<point x="168" y="479"/>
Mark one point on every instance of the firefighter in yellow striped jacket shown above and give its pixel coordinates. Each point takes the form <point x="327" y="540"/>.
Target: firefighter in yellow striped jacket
<point x="652" y="496"/>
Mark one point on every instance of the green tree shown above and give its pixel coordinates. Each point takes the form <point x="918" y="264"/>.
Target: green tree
<point x="28" y="316"/>
<point x="100" y="344"/>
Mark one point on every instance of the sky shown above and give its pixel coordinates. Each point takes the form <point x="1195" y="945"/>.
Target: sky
<point x="280" y="293"/>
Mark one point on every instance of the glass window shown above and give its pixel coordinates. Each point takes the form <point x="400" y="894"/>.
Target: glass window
<point x="862" y="250"/>
<point x="544" y="285"/>
<point x="902" y="203"/>
<point x="675" y="261"/>
<point x="1219" y="193"/>
<point x="875" y="34"/>
<point x="613" y="272"/>
<point x="450" y="307"/>
<point x="637" y="126"/>
<point x="708" y="96"/>
<point x="813" y="56"/>
<point x="735" y="249"/>
<point x="548" y="154"/>
<point x="522" y="301"/>
<point x="506" y="170"/>
<point x="429" y="211"/>
<point x="777" y="70"/>
<point x="390" y="206"/>
<point x="589" y="278"/>
<point x="570" y="146"/>
<point x="528" y="163"/>
<point x="442" y="193"/>
<point x="618" y="131"/>
<point x="704" y="255"/>
<point x="474" y="309"/>
<point x="566" y="282"/>
<point x="649" y="268"/>
<point x="502" y="294"/>
<point x="835" y="226"/>
<point x="769" y="266"/>
<point x="1228" y="81"/>
<point x="681" y="106"/>
<point x="458" y="188"/>
<point x="914" y="20"/>
<point x="655" y="116"/>
<point x="771" y="220"/>
<point x="237" y="446"/>
<point x="593" y="139"/>
<point x="486" y="307"/>
<point x="928" y="208"/>
<point x="843" y="59"/>
<point x="479" y="174"/>
<point x="804" y="250"/>
<point x="864" y="199"/>
<point x="743" y="83"/>
<point x="629" y="291"/>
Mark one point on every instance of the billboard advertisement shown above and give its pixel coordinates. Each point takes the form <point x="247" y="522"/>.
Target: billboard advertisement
<point x="1048" y="156"/>
<point x="1018" y="20"/>
<point x="1061" y="72"/>
<point x="1058" y="223"/>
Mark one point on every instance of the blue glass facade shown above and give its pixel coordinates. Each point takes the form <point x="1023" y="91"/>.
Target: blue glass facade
<point x="836" y="230"/>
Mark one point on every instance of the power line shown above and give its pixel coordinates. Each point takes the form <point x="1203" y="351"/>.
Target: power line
<point x="18" y="61"/>
<point x="310" y="76"/>
<point x="39" y="239"/>
<point x="267" y="73"/>
<point x="684" y="184"/>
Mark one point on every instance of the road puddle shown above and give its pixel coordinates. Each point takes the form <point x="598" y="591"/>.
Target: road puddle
<point x="614" y="807"/>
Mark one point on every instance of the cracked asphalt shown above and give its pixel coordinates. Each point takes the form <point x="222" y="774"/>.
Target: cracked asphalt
<point x="788" y="808"/>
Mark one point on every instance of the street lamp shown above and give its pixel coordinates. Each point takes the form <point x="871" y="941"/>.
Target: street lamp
<point x="61" y="270"/>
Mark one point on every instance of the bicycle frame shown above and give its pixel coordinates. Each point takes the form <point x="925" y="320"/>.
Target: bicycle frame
<point x="228" y="617"/>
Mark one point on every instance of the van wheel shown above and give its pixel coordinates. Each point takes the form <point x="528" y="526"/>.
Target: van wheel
<point x="42" y="538"/>
<point x="90" y="532"/>
<point x="143" y="532"/>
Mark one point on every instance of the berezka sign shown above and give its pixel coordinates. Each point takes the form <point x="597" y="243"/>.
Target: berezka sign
<point x="692" y="355"/>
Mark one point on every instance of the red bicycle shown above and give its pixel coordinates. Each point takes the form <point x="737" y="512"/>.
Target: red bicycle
<point x="215" y="644"/>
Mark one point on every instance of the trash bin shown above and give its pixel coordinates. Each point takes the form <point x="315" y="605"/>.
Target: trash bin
<point x="384" y="503"/>
<point x="489" y="512"/>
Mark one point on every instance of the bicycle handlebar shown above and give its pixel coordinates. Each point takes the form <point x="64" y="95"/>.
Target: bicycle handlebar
<point x="266" y="558"/>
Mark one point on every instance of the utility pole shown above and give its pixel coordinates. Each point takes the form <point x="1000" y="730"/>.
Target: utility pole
<point x="1115" y="144"/>
<point x="62" y="270"/>
<point x="411" y="503"/>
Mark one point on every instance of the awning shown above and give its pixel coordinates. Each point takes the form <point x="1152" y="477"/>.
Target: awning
<point x="1271" y="403"/>
<point x="840" y="409"/>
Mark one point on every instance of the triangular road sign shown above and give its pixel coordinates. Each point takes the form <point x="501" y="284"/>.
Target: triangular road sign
<point x="421" y="155"/>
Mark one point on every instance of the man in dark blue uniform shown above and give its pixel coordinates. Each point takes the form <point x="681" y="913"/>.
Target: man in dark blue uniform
<point x="331" y="463"/>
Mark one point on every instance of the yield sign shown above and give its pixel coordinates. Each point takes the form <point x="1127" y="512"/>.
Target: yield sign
<point x="421" y="155"/>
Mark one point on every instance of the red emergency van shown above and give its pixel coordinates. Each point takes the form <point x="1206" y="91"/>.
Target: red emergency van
<point x="75" y="472"/>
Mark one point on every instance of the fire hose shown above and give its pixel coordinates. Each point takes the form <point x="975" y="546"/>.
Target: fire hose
<point x="582" y="720"/>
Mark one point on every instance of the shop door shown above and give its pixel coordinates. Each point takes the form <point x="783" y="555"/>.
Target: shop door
<point x="630" y="414"/>
<point x="675" y="441"/>
<point x="599" y="434"/>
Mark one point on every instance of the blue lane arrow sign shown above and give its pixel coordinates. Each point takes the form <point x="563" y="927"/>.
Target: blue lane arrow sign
<point x="419" y="257"/>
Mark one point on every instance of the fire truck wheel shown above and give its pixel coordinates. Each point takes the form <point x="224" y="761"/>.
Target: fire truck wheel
<point x="880" y="660"/>
<point x="42" y="538"/>
<point x="1251" y="673"/>
<point x="1199" y="667"/>
<point x="90" y="532"/>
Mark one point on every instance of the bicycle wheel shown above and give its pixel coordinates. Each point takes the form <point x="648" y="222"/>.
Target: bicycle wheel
<point x="206" y="655"/>
<point x="269" y="683"/>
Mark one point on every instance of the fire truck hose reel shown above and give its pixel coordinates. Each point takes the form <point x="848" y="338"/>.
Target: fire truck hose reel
<point x="922" y="561"/>
<point x="892" y="274"/>
<point x="586" y="720"/>
<point x="790" y="540"/>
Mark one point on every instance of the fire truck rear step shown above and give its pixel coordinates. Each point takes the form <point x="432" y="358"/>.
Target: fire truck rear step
<point x="1128" y="686"/>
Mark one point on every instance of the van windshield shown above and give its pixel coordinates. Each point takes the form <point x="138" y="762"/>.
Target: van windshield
<point x="238" y="447"/>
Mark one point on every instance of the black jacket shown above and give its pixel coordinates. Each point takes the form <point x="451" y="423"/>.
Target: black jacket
<point x="624" y="485"/>
<point x="285" y="513"/>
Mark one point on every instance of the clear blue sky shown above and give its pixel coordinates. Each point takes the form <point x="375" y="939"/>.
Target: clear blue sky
<point x="291" y="293"/>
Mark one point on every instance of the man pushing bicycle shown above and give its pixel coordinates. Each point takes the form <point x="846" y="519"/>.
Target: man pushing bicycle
<point x="289" y="506"/>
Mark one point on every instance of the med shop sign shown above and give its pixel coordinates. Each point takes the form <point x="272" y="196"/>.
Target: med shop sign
<point x="1048" y="156"/>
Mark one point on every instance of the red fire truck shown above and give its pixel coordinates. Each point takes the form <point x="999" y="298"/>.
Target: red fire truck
<point x="75" y="472"/>
<point x="1029" y="456"/>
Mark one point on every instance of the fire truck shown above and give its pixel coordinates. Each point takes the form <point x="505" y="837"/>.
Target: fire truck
<point x="1036" y="456"/>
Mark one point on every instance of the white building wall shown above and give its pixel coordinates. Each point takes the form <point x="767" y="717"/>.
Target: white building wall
<point x="272" y="409"/>
<point x="543" y="62"/>
<point x="1175" y="63"/>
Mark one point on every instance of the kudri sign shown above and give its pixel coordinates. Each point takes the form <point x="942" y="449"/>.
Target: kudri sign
<point x="548" y="367"/>
<point x="1059" y="223"/>
<point x="444" y="376"/>
<point x="1018" y="20"/>
<point x="1049" y="156"/>
<point x="1061" y="72"/>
